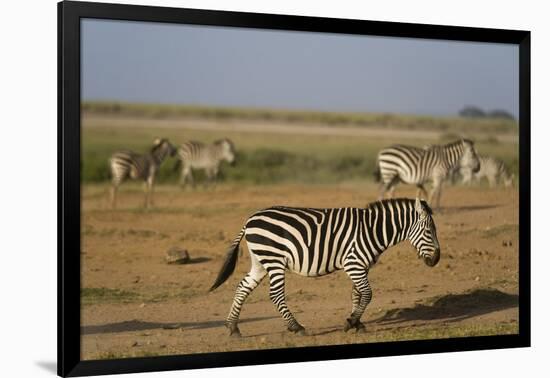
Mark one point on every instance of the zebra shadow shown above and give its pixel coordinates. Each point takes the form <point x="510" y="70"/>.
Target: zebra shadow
<point x="138" y="325"/>
<point x="453" y="307"/>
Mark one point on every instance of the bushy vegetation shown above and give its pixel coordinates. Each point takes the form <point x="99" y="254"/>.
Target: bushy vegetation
<point x="264" y="158"/>
<point x="487" y="123"/>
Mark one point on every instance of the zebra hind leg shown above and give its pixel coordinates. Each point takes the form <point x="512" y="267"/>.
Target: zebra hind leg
<point x="388" y="184"/>
<point x="355" y="300"/>
<point x="277" y="295"/>
<point x="421" y="190"/>
<point x="245" y="287"/>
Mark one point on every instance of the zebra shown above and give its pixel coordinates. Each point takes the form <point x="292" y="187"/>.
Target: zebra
<point x="315" y="242"/>
<point x="196" y="155"/>
<point x="493" y="169"/>
<point x="128" y="164"/>
<point x="416" y="166"/>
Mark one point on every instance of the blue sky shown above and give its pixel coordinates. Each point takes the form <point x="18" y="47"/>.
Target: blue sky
<point x="199" y="65"/>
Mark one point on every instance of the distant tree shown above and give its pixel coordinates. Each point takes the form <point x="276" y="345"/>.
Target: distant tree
<point x="471" y="112"/>
<point x="498" y="113"/>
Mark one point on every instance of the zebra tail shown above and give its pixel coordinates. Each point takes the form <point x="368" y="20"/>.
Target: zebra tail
<point x="376" y="173"/>
<point x="230" y="262"/>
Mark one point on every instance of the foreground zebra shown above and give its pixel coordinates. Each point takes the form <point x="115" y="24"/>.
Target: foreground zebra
<point x="196" y="155"/>
<point x="315" y="242"/>
<point x="128" y="164"/>
<point x="416" y="166"/>
<point x="492" y="168"/>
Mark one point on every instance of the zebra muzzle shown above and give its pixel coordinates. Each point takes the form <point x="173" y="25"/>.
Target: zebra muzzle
<point x="432" y="260"/>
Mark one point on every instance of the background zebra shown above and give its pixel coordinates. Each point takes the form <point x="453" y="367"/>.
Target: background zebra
<point x="492" y="168"/>
<point x="416" y="166"/>
<point x="315" y="242"/>
<point x="128" y="164"/>
<point x="196" y="155"/>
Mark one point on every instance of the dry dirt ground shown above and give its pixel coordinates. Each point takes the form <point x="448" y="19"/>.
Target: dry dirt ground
<point x="134" y="304"/>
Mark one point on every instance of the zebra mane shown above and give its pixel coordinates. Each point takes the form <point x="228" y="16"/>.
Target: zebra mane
<point x="395" y="201"/>
<point x="158" y="144"/>
<point x="225" y="140"/>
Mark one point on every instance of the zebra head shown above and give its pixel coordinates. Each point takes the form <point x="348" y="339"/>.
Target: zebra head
<point x="227" y="149"/>
<point x="162" y="147"/>
<point x="469" y="158"/>
<point x="509" y="180"/>
<point x="423" y="235"/>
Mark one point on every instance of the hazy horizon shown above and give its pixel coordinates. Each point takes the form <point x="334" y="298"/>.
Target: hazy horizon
<point x="251" y="68"/>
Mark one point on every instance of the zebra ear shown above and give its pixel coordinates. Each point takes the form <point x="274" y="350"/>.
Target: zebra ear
<point x="418" y="206"/>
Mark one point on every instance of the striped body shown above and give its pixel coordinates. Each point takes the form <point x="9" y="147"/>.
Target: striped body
<point x="315" y="242"/>
<point x="491" y="168"/>
<point x="130" y="165"/>
<point x="416" y="166"/>
<point x="208" y="157"/>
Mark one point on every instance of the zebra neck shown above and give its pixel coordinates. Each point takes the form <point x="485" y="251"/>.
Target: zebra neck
<point x="158" y="156"/>
<point x="452" y="154"/>
<point x="388" y="223"/>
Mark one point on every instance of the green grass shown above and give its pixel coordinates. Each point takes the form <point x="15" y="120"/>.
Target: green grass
<point x="96" y="295"/>
<point x="262" y="158"/>
<point x="120" y="355"/>
<point x="396" y="121"/>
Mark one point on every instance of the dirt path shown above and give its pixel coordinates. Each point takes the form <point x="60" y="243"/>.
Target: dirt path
<point x="272" y="127"/>
<point x="134" y="304"/>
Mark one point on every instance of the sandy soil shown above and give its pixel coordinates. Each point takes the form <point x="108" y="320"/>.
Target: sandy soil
<point x="163" y="309"/>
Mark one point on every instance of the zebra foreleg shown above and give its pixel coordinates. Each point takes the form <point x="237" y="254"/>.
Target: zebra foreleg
<point x="186" y="176"/>
<point x="277" y="295"/>
<point x="245" y="287"/>
<point x="361" y="297"/>
<point x="113" y="193"/>
<point x="147" y="188"/>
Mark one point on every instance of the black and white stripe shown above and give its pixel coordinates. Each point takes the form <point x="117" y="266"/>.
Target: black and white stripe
<point x="197" y="155"/>
<point x="416" y="166"/>
<point x="315" y="242"/>
<point x="491" y="168"/>
<point x="128" y="164"/>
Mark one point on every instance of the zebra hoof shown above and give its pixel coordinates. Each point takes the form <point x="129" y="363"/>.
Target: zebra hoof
<point x="234" y="331"/>
<point x="350" y="323"/>
<point x="297" y="329"/>
<point x="360" y="328"/>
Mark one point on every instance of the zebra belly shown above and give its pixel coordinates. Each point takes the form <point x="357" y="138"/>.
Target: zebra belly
<point x="202" y="164"/>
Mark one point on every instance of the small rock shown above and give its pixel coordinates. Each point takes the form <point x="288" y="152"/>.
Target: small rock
<point x="142" y="305"/>
<point x="177" y="255"/>
<point x="137" y="279"/>
<point x="477" y="278"/>
<point x="135" y="344"/>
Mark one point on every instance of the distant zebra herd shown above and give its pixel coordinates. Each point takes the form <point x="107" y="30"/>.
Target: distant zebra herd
<point x="318" y="241"/>
<point x="191" y="155"/>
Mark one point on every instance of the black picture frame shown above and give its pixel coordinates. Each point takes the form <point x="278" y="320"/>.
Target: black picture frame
<point x="69" y="15"/>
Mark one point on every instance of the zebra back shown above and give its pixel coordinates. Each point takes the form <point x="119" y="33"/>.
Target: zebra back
<point x="415" y="165"/>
